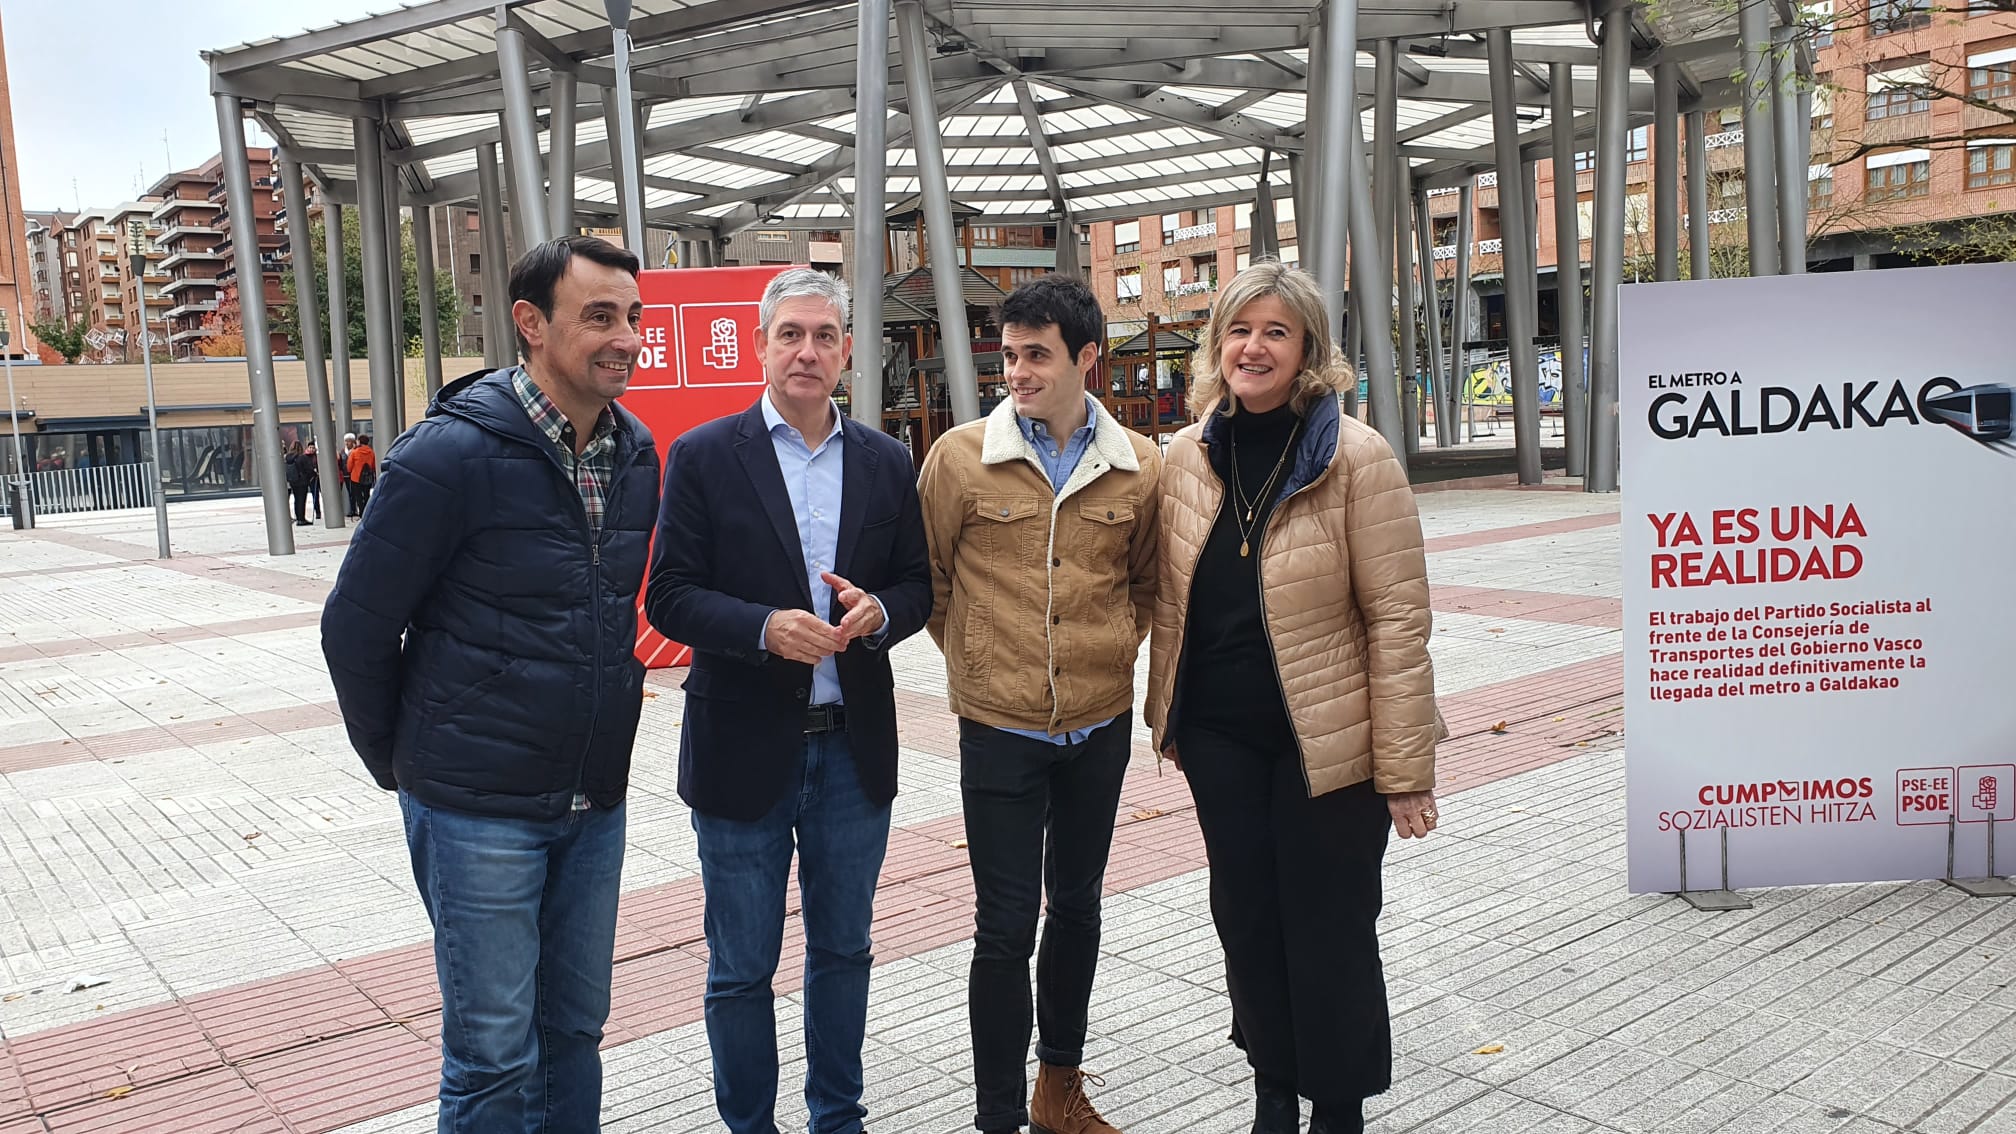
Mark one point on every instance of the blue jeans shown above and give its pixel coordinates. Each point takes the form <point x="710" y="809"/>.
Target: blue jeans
<point x="745" y="867"/>
<point x="524" y="914"/>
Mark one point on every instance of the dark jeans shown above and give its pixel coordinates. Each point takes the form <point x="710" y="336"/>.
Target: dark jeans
<point x="524" y="915"/>
<point x="360" y="495"/>
<point x="746" y="869"/>
<point x="1039" y="817"/>
<point x="1295" y="894"/>
<point x="300" y="496"/>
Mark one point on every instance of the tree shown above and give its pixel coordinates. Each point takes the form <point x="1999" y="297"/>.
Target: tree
<point x="226" y="325"/>
<point x="65" y="338"/>
<point x="447" y="301"/>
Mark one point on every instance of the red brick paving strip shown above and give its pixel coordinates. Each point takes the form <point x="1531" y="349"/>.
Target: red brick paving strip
<point x="1487" y="536"/>
<point x="323" y="1048"/>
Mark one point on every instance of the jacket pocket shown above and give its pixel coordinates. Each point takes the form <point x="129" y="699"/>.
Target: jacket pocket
<point x="1105" y="531"/>
<point x="1002" y="552"/>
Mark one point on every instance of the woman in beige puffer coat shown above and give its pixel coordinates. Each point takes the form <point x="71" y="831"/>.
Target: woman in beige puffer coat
<point x="1289" y="679"/>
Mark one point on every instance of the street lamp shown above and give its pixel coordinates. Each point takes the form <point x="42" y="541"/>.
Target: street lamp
<point x="18" y="504"/>
<point x="138" y="248"/>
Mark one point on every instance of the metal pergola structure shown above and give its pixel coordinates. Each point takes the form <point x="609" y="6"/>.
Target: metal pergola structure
<point x="703" y="118"/>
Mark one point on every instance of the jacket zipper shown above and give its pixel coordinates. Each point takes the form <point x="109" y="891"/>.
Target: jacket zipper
<point x="1259" y="579"/>
<point x="594" y="537"/>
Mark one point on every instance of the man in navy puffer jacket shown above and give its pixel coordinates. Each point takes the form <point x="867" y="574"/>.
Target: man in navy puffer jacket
<point x="480" y="638"/>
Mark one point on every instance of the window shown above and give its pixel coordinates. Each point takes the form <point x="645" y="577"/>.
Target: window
<point x="1127" y="237"/>
<point x="1900" y="181"/>
<point x="1127" y="285"/>
<point x="472" y="221"/>
<point x="1245" y="260"/>
<point x="1895" y="102"/>
<point x="1242" y="216"/>
<point x="1585" y="161"/>
<point x="1172" y="278"/>
<point x="1996" y="80"/>
<point x="475" y="263"/>
<point x="1822" y="13"/>
<point x="1284" y="208"/>
<point x="1290" y="254"/>
<point x="1887" y="17"/>
<point x="1991" y="164"/>
<point x="1639" y="144"/>
<point x="1823" y="101"/>
<point x="1820" y="189"/>
<point x="1170" y="223"/>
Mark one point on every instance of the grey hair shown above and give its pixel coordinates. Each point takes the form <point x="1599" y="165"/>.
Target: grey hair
<point x="804" y="283"/>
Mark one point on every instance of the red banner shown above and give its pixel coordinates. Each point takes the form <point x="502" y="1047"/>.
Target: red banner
<point x="699" y="363"/>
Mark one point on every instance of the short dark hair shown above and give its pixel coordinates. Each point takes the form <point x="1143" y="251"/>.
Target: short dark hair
<point x="538" y="271"/>
<point x="1061" y="301"/>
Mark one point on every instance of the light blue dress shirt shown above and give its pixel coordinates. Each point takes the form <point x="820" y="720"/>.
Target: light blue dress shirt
<point x="1060" y="461"/>
<point x="813" y="477"/>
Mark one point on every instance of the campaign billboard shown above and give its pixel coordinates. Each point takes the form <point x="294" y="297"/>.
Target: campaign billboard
<point x="1817" y="475"/>
<point x="699" y="362"/>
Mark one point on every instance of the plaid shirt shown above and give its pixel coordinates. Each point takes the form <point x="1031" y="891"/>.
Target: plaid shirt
<point x="596" y="466"/>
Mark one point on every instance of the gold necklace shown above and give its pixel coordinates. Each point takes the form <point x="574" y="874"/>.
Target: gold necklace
<point x="1246" y="525"/>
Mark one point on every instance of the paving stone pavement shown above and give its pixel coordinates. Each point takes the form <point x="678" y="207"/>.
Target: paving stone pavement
<point x="185" y="829"/>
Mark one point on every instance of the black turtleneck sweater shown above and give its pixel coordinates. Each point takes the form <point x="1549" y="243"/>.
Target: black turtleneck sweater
<point x="1229" y="682"/>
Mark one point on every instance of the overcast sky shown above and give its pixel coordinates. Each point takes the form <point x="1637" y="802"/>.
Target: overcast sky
<point x="107" y="92"/>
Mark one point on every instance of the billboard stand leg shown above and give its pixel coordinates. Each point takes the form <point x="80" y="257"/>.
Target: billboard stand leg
<point x="1991" y="886"/>
<point x="1712" y="901"/>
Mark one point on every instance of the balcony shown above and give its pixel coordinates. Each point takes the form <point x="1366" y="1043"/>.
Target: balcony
<point x="1897" y="129"/>
<point x="197" y="307"/>
<point x="192" y="256"/>
<point x="108" y="272"/>
<point x="185" y="229"/>
<point x="1194" y="287"/>
<point x="1194" y="232"/>
<point x="160" y="300"/>
<point x="108" y="255"/>
<point x="187" y="283"/>
<point x="174" y="205"/>
<point x="2002" y="115"/>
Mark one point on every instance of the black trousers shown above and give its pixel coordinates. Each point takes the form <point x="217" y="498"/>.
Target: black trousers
<point x="1295" y="894"/>
<point x="1039" y="817"/>
<point x="300" y="496"/>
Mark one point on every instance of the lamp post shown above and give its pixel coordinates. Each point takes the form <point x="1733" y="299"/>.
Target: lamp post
<point x="138" y="249"/>
<point x="14" y="416"/>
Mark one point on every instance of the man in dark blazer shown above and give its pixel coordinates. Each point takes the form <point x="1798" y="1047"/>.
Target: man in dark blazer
<point x="790" y="557"/>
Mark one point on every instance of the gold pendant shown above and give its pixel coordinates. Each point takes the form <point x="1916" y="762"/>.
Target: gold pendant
<point x="1243" y="553"/>
<point x="1249" y="515"/>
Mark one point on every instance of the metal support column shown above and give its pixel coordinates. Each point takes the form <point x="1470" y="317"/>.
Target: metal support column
<point x="1606" y="257"/>
<point x="1568" y="270"/>
<point x="955" y="342"/>
<point x="1700" y="264"/>
<point x="1298" y="185"/>
<point x="1521" y="322"/>
<point x="1431" y="315"/>
<point x="308" y="323"/>
<point x="258" y="343"/>
<point x="1790" y="148"/>
<point x="1666" y="171"/>
<point x="619" y="108"/>
<point x="1263" y="231"/>
<point x="380" y="337"/>
<point x="1760" y="165"/>
<point x="1371" y="283"/>
<point x="1459" y="305"/>
<point x="1307" y="167"/>
<point x="528" y="200"/>
<point x="1339" y="149"/>
<point x="395" y="294"/>
<point x="1404" y="291"/>
<point x="1386" y="146"/>
<point x="871" y="134"/>
<point x="499" y="348"/>
<point x="423" y="282"/>
<point x="339" y="317"/>
<point x="564" y="101"/>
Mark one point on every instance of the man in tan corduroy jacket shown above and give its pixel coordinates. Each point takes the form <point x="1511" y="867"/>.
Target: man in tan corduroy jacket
<point x="1041" y="524"/>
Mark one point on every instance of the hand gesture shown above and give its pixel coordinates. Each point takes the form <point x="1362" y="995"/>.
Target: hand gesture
<point x="1414" y="813"/>
<point x="864" y="614"/>
<point x="801" y="636"/>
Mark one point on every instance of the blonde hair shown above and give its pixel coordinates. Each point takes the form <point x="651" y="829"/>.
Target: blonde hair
<point x="1324" y="372"/>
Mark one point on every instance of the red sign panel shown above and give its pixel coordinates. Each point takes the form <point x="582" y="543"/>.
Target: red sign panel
<point x="699" y="363"/>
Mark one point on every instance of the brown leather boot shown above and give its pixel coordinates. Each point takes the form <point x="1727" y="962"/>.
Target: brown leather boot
<point x="1060" y="1105"/>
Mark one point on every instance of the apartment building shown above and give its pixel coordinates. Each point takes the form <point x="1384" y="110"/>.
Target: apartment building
<point x="190" y="239"/>
<point x="15" y="282"/>
<point x="261" y="228"/>
<point x="49" y="295"/>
